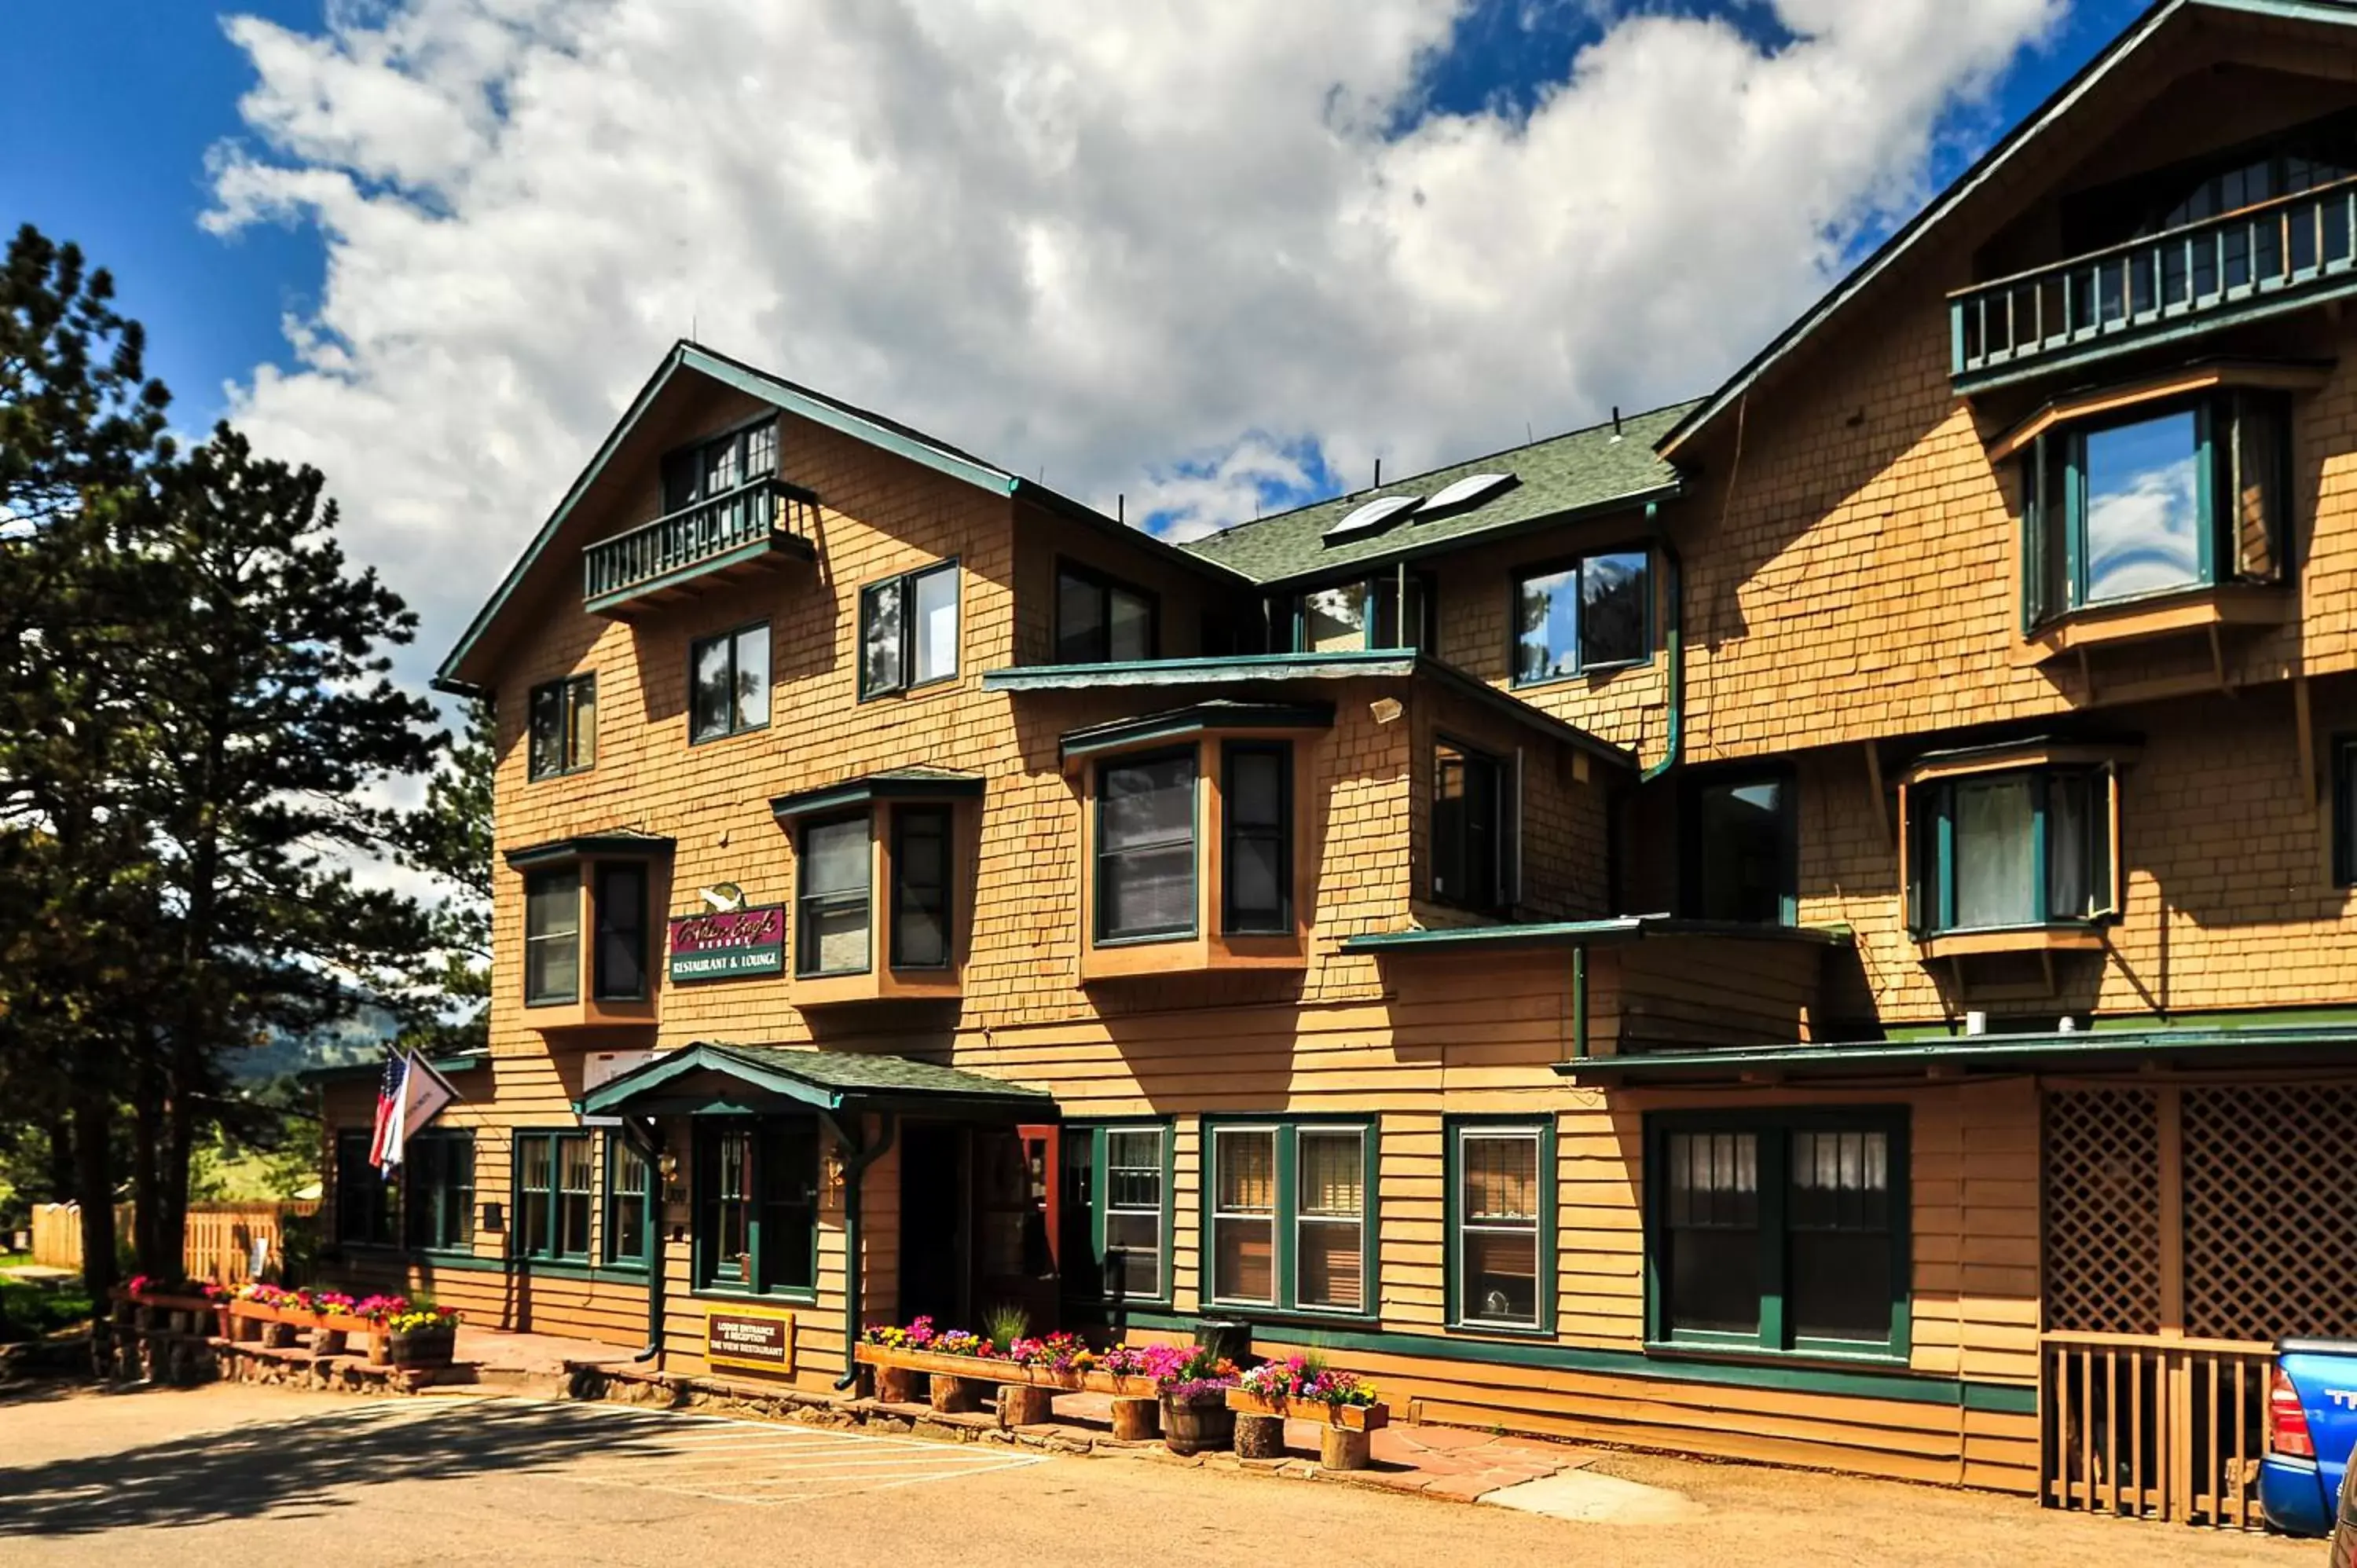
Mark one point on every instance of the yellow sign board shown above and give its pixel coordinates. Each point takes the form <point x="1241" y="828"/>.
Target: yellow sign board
<point x="755" y="1340"/>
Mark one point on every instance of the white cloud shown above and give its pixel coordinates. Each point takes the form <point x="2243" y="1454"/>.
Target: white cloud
<point x="1159" y="249"/>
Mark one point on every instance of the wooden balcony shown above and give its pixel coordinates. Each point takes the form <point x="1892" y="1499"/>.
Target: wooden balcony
<point x="748" y="530"/>
<point x="2259" y="260"/>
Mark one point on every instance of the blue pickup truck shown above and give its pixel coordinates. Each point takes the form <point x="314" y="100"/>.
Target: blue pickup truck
<point x="2311" y="1428"/>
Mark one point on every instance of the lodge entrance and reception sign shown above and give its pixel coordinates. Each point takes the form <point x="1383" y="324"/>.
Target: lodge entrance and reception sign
<point x="725" y="944"/>
<point x="756" y="1340"/>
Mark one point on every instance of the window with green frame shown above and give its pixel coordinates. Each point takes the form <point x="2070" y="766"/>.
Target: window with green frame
<point x="2344" y="811"/>
<point x="364" y="1200"/>
<point x="1742" y="861"/>
<point x="1500" y="1224"/>
<point x="1146" y="847"/>
<point x="631" y="1214"/>
<point x="1778" y="1231"/>
<point x="2012" y="849"/>
<point x="2168" y="498"/>
<point x="1388" y="609"/>
<point x="1288" y="1215"/>
<point x="438" y="1208"/>
<point x="756" y="1205"/>
<point x="552" y="1196"/>
<point x="1116" y="1212"/>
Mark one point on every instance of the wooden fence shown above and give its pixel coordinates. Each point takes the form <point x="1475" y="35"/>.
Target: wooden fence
<point x="221" y="1242"/>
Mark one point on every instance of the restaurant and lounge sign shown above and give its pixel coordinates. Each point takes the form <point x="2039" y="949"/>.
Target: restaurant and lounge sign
<point x="724" y="944"/>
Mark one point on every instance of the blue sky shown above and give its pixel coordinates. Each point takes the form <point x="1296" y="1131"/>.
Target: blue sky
<point x="108" y="138"/>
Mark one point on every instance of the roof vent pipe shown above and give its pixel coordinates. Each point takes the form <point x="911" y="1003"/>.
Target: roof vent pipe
<point x="1616" y="421"/>
<point x="1379" y="475"/>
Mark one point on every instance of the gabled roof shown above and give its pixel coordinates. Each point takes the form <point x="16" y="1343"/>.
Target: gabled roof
<point x="861" y="425"/>
<point x="822" y="1080"/>
<point x="1582" y="472"/>
<point x="1990" y="167"/>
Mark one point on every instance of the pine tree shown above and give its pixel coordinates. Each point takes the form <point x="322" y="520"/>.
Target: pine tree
<point x="449" y="838"/>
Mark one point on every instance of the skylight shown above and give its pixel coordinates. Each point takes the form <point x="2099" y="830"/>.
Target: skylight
<point x="1375" y="516"/>
<point x="1468" y="492"/>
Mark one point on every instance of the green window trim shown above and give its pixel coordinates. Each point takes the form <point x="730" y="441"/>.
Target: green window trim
<point x="620" y="1197"/>
<point x="1099" y="640"/>
<point x="557" y="1201"/>
<point x="619" y="968"/>
<point x="438" y="1192"/>
<point x="2344" y="811"/>
<point x="913" y="901"/>
<point x="2241" y="445"/>
<point x="1395" y="598"/>
<point x="1482" y="848"/>
<point x="1285" y="1217"/>
<point x="902" y="590"/>
<point x="1090" y="1141"/>
<point x="545" y="890"/>
<point x="562" y="728"/>
<point x="1933" y="908"/>
<point x="1697" y="853"/>
<point x="1775" y="1131"/>
<point x="1455" y="1131"/>
<point x="770" y="1268"/>
<point x="707" y="469"/>
<point x="812" y="906"/>
<point x="1234" y="920"/>
<point x="738" y="722"/>
<point x="1576" y="568"/>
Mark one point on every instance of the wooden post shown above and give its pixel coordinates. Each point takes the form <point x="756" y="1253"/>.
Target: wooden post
<point x="1022" y="1404"/>
<point x="1260" y="1436"/>
<point x="900" y="1385"/>
<point x="1340" y="1448"/>
<point x="1136" y="1420"/>
<point x="956" y="1396"/>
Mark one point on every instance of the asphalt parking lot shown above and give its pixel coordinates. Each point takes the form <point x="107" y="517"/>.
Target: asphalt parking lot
<point x="250" y="1474"/>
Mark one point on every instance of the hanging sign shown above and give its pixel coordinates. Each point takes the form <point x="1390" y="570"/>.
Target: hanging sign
<point x="761" y="1341"/>
<point x="726" y="943"/>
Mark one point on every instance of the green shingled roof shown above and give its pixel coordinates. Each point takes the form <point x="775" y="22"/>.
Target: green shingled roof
<point x="856" y="1072"/>
<point x="828" y="1080"/>
<point x="1584" y="471"/>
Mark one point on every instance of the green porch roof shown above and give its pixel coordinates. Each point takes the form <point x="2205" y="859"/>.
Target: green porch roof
<point x="1583" y="933"/>
<point x="821" y="1081"/>
<point x="1584" y="472"/>
<point x="890" y="784"/>
<point x="1959" y="1055"/>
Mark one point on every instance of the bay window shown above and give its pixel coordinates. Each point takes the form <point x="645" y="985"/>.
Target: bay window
<point x="919" y="936"/>
<point x="833" y="868"/>
<point x="2171" y="497"/>
<point x="1780" y="1230"/>
<point x="619" y="971"/>
<point x="1256" y="855"/>
<point x="551" y="937"/>
<point x="1288" y="1215"/>
<point x="2011" y="849"/>
<point x="1592" y="613"/>
<point x="909" y="631"/>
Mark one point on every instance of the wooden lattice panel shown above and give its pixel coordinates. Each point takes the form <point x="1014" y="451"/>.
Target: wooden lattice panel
<point x="2270" y="1184"/>
<point x="2103" y="1211"/>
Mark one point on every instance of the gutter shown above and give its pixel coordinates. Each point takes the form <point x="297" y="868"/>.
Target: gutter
<point x="1673" y="743"/>
<point x="855" y="1175"/>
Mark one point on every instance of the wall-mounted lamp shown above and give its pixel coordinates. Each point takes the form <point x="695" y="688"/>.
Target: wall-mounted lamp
<point x="835" y="1165"/>
<point x="668" y="1164"/>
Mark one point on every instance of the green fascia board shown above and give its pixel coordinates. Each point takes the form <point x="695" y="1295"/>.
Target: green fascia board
<point x="1585" y="933"/>
<point x="1379" y="663"/>
<point x="586" y="846"/>
<point x="899" y="784"/>
<point x="1180" y="722"/>
<point x="1579" y="475"/>
<point x="2180" y="328"/>
<point x="1996" y="1051"/>
<point x="1989" y="168"/>
<point x="792" y="544"/>
<point x="822" y="1080"/>
<point x="2260" y="1018"/>
<point x="1356" y="664"/>
<point x="1780" y="1370"/>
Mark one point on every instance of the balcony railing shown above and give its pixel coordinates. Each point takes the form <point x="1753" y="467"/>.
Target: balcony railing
<point x="2251" y="262"/>
<point x="744" y="524"/>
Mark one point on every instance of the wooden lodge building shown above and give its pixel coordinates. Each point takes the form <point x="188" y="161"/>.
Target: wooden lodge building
<point x="1814" y="924"/>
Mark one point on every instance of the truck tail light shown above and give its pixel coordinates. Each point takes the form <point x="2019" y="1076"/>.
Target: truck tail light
<point x="2288" y="1420"/>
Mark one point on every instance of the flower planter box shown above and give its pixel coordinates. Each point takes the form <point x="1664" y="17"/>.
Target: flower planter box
<point x="1349" y="1417"/>
<point x="421" y="1347"/>
<point x="988" y="1369"/>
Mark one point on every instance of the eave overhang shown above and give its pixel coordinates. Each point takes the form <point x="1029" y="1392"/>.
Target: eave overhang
<point x="1179" y="724"/>
<point x="893" y="784"/>
<point x="1464" y="940"/>
<point x="1961" y="1056"/>
<point x="588" y="846"/>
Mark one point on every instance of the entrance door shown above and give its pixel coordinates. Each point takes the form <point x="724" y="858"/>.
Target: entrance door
<point x="933" y="1205"/>
<point x="1015" y="1205"/>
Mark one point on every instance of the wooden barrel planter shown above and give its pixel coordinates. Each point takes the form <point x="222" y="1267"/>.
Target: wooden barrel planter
<point x="421" y="1347"/>
<point x="1198" y="1426"/>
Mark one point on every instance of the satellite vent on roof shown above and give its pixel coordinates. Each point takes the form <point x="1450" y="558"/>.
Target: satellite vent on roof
<point x="1371" y="517"/>
<point x="1472" y="491"/>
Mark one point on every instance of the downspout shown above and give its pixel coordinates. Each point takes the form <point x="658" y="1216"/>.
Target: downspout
<point x="1675" y="645"/>
<point x="855" y="1265"/>
<point x="641" y="1136"/>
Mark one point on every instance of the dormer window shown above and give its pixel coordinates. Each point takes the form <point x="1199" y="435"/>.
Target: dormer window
<point x="876" y="869"/>
<point x="2168" y="498"/>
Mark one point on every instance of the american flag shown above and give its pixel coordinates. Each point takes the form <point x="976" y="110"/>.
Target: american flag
<point x="384" y="1146"/>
